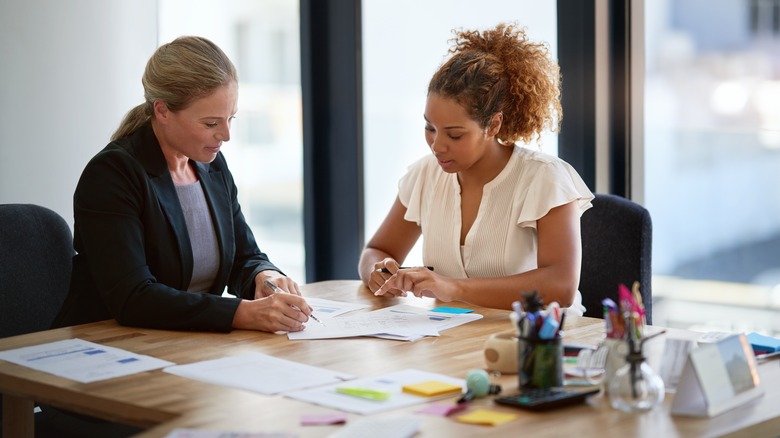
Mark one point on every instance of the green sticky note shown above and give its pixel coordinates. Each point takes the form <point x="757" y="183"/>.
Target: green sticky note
<point x="370" y="394"/>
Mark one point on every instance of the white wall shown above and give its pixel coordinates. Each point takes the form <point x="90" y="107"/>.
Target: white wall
<point x="69" y="71"/>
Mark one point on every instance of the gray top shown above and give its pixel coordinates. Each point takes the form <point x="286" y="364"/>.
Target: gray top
<point x="203" y="238"/>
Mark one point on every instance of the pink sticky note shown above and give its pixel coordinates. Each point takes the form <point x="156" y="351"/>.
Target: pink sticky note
<point x="323" y="419"/>
<point x="443" y="409"/>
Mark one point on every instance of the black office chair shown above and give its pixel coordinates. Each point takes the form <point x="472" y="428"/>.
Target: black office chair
<point x="36" y="251"/>
<point x="617" y="237"/>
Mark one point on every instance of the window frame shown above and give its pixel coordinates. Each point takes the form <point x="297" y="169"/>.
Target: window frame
<point x="600" y="55"/>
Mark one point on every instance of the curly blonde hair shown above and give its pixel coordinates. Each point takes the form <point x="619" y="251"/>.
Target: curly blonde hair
<point x="501" y="71"/>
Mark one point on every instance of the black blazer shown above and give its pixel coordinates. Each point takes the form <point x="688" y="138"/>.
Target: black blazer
<point x="134" y="259"/>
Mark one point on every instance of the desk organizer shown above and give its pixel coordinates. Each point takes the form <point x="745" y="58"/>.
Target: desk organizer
<point x="501" y="353"/>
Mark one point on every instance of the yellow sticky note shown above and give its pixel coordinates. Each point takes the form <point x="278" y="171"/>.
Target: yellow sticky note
<point x="432" y="388"/>
<point x="483" y="416"/>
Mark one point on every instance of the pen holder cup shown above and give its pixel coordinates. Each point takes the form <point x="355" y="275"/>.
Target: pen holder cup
<point x="539" y="362"/>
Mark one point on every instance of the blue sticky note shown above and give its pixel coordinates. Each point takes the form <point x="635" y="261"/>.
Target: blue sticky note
<point x="764" y="343"/>
<point x="444" y="309"/>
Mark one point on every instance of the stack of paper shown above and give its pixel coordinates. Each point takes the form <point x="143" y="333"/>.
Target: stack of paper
<point x="401" y="322"/>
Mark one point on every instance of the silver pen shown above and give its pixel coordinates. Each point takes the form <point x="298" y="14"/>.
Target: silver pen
<point x="278" y="290"/>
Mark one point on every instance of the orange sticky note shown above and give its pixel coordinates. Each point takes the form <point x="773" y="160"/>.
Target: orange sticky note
<point x="483" y="416"/>
<point x="432" y="388"/>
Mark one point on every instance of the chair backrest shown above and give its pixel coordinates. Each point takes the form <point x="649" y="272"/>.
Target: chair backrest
<point x="617" y="237"/>
<point x="36" y="252"/>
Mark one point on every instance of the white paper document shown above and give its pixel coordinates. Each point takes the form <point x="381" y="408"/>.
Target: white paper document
<point x="442" y="321"/>
<point x="258" y="372"/>
<point x="391" y="383"/>
<point x="401" y="322"/>
<point x="324" y="308"/>
<point x="81" y="360"/>
<point x="401" y="426"/>
<point x="370" y="323"/>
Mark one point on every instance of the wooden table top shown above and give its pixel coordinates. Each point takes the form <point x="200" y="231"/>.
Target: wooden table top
<point x="160" y="401"/>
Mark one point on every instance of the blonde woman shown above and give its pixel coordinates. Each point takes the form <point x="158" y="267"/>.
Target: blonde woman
<point x="159" y="232"/>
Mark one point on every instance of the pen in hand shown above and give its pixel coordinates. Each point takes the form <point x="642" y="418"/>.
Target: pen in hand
<point x="278" y="290"/>
<point x="387" y="271"/>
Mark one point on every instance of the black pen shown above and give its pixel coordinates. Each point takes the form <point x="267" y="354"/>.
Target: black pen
<point x="278" y="290"/>
<point x="386" y="271"/>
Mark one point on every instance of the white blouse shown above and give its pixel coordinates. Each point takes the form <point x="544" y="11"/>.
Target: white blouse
<point x="503" y="239"/>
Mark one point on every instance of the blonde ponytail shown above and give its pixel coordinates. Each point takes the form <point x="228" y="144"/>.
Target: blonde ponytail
<point x="133" y="120"/>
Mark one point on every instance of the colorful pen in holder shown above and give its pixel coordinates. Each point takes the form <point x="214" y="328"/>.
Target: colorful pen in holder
<point x="540" y="362"/>
<point x="539" y="344"/>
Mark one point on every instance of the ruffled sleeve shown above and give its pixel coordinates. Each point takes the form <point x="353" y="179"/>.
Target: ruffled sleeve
<point x="553" y="183"/>
<point x="411" y="188"/>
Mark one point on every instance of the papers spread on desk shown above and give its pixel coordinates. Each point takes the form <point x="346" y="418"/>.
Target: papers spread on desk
<point x="258" y="372"/>
<point x="401" y="322"/>
<point x="324" y="308"/>
<point x="391" y="383"/>
<point x="81" y="360"/>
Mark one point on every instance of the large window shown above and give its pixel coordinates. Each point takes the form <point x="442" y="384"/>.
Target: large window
<point x="404" y="42"/>
<point x="712" y="162"/>
<point x="265" y="152"/>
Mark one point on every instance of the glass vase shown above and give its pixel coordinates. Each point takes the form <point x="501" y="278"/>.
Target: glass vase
<point x="635" y="387"/>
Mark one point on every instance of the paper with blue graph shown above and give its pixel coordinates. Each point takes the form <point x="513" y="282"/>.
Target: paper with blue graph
<point x="82" y="361"/>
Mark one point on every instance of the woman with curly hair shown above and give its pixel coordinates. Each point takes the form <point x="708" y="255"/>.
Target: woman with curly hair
<point x="497" y="218"/>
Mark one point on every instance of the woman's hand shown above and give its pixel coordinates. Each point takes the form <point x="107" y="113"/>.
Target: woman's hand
<point x="421" y="282"/>
<point x="284" y="283"/>
<point x="274" y="313"/>
<point x="378" y="277"/>
<point x="271" y="311"/>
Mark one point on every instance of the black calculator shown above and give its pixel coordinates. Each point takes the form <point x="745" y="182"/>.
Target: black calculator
<point x="542" y="399"/>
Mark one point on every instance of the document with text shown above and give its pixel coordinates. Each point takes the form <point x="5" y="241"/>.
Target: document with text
<point x="325" y="308"/>
<point x="400" y="322"/>
<point x="258" y="372"/>
<point x="81" y="360"/>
